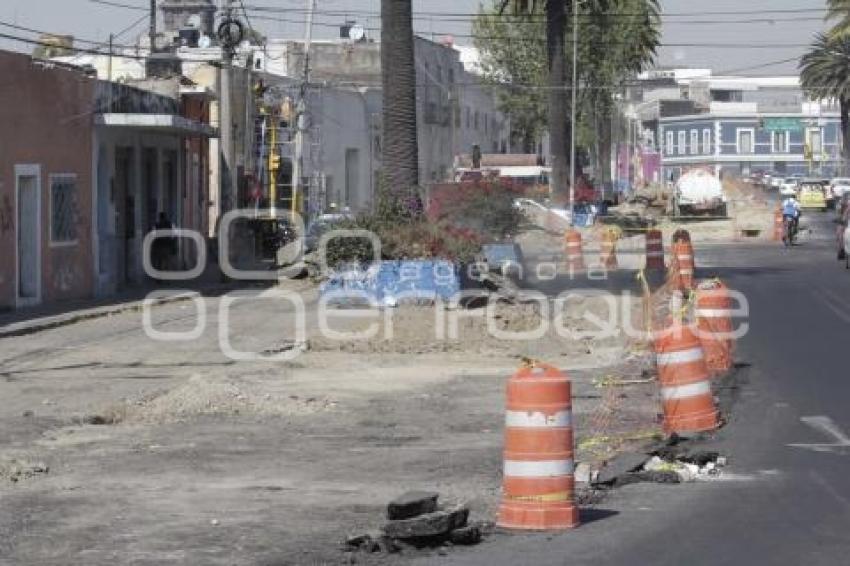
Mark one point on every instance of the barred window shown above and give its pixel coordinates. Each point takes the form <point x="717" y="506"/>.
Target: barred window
<point x="63" y="208"/>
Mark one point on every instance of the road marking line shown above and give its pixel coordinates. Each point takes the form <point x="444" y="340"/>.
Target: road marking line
<point x="828" y="427"/>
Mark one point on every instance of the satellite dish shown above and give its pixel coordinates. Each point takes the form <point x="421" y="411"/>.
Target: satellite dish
<point x="205" y="42"/>
<point x="194" y="21"/>
<point x="356" y="33"/>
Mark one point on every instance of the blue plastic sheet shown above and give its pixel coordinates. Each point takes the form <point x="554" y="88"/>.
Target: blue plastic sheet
<point x="393" y="282"/>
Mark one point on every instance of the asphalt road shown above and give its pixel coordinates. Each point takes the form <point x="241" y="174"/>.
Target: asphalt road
<point x="776" y="504"/>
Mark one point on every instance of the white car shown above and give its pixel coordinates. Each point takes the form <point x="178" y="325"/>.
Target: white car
<point x="776" y="182"/>
<point x="789" y="187"/>
<point x="840" y="186"/>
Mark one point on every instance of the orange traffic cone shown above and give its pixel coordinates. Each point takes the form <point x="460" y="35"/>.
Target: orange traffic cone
<point x="714" y="321"/>
<point x="539" y="486"/>
<point x="685" y="382"/>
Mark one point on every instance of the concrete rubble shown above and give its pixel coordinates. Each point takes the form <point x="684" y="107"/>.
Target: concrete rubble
<point x="416" y="521"/>
<point x="670" y="464"/>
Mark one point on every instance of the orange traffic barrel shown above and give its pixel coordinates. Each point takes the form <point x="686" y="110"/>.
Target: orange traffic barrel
<point x="573" y="251"/>
<point x="654" y="250"/>
<point x="682" y="265"/>
<point x="685" y="382"/>
<point x="539" y="486"/>
<point x="714" y="322"/>
<point x="608" y="253"/>
<point x="778" y="225"/>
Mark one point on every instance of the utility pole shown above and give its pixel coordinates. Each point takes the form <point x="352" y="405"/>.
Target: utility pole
<point x="109" y="73"/>
<point x="225" y="122"/>
<point x="152" y="27"/>
<point x="573" y="116"/>
<point x="298" y="160"/>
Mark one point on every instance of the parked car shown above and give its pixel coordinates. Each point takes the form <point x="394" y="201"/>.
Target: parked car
<point x="789" y="187"/>
<point x="812" y="196"/>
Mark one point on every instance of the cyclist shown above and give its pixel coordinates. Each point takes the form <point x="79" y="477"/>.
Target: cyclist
<point x="791" y="212"/>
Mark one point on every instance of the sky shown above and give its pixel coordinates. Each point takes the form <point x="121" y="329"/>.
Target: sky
<point x="787" y="26"/>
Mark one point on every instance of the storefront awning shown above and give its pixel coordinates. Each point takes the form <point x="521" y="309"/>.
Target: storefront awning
<point x="157" y="123"/>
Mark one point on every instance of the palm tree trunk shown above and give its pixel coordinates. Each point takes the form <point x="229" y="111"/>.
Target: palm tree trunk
<point x="400" y="146"/>
<point x="845" y="135"/>
<point x="559" y="124"/>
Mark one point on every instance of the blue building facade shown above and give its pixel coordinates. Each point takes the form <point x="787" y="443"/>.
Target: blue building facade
<point x="741" y="144"/>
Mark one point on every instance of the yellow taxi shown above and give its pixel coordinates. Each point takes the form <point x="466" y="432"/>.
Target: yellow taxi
<point x="812" y="196"/>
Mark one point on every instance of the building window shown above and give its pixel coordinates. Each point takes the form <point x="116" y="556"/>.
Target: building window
<point x="466" y="112"/>
<point x="780" y="141"/>
<point x="669" y="143"/>
<point x="486" y="123"/>
<point x="63" y="209"/>
<point x="475" y="122"/>
<point x="682" y="143"/>
<point x="745" y="141"/>
<point x="694" y="142"/>
<point x="706" y="142"/>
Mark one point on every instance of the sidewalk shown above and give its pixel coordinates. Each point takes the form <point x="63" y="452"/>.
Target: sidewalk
<point x="34" y="319"/>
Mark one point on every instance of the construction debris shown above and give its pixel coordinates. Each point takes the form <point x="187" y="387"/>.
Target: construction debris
<point x="18" y="470"/>
<point x="416" y="521"/>
<point x="412" y="504"/>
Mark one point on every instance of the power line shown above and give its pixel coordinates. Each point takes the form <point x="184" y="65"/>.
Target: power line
<point x="113" y="4"/>
<point x="43" y="32"/>
<point x="724" y="45"/>
<point x="91" y="51"/>
<point x="469" y="16"/>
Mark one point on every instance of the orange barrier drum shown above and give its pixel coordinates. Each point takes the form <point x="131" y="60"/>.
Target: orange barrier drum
<point x="539" y="485"/>
<point x="713" y="312"/>
<point x="573" y="251"/>
<point x="654" y="250"/>
<point x="686" y="394"/>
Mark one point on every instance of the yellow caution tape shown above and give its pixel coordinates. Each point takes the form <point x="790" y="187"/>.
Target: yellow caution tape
<point x="548" y="497"/>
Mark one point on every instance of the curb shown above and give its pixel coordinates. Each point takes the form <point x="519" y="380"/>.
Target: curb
<point x="25" y="328"/>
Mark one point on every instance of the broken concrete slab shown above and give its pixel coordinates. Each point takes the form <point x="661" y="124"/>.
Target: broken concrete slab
<point x="468" y="535"/>
<point x="412" y="504"/>
<point x="622" y="464"/>
<point x="438" y="523"/>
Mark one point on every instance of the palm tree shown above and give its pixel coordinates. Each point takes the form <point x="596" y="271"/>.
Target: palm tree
<point x="825" y="74"/>
<point x="556" y="58"/>
<point x="400" y="159"/>
<point x="839" y="10"/>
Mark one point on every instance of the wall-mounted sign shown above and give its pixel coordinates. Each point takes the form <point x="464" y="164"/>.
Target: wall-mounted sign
<point x="782" y="125"/>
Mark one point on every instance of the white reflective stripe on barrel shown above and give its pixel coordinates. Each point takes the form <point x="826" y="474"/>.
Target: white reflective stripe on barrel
<point x="684" y="257"/>
<point x="683" y="357"/>
<point x="573" y="244"/>
<point x="686" y="271"/>
<point x="713" y="313"/>
<point x="538" y="469"/>
<point x="685" y="391"/>
<point x="654" y="242"/>
<point x="527" y="419"/>
<point x="654" y="254"/>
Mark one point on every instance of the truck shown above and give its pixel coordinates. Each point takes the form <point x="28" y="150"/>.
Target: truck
<point x="699" y="191"/>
